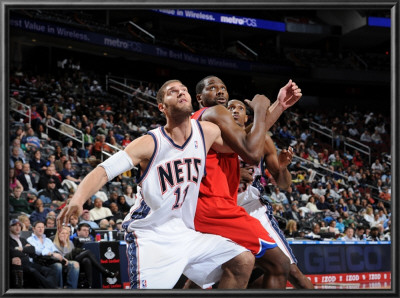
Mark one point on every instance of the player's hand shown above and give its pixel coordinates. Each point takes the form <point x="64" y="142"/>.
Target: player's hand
<point x="259" y="102"/>
<point x="66" y="213"/>
<point x="289" y="94"/>
<point x="246" y="175"/>
<point x="285" y="157"/>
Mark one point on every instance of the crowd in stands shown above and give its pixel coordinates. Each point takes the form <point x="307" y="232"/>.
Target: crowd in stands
<point x="335" y="194"/>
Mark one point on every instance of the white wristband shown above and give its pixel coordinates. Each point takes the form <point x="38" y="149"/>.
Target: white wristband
<point x="117" y="164"/>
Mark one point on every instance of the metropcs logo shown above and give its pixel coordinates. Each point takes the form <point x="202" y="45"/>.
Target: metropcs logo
<point x="239" y="21"/>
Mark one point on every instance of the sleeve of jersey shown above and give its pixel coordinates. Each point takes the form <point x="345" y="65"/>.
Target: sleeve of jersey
<point x="117" y="164"/>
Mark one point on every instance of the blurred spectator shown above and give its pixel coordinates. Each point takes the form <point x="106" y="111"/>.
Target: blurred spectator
<point x="331" y="213"/>
<point x="24" y="273"/>
<point x="15" y="156"/>
<point x="25" y="222"/>
<point x="116" y="212"/>
<point x="369" y="216"/>
<point x="73" y="156"/>
<point x="349" y="235"/>
<point x="102" y="130"/>
<point x="51" y="194"/>
<point x="74" y="250"/>
<point x="130" y="196"/>
<point x="339" y="224"/>
<point x="95" y="87"/>
<point x="366" y="137"/>
<point x="112" y="199"/>
<point x="36" y="118"/>
<point x="311" y="205"/>
<point x="37" y="163"/>
<point x="360" y="233"/>
<point x="332" y="228"/>
<point x="73" y="223"/>
<point x="315" y="233"/>
<point x="69" y="176"/>
<point x="118" y="225"/>
<point x="376" y="137"/>
<point x="99" y="212"/>
<point x="100" y="145"/>
<point x="279" y="197"/>
<point x="18" y="203"/>
<point x="322" y="205"/>
<point x="50" y="222"/>
<point x="286" y="137"/>
<point x="14" y="182"/>
<point x="27" y="179"/>
<point x="377" y="166"/>
<point x="49" y="174"/>
<point x="88" y="205"/>
<point x="31" y="141"/>
<point x="373" y="234"/>
<point x="291" y="229"/>
<point x="104" y="224"/>
<point x="40" y="212"/>
<point x="103" y="120"/>
<point x="319" y="191"/>
<point x="123" y="205"/>
<point x="59" y="163"/>
<point x="44" y="246"/>
<point x="85" y="218"/>
<point x="69" y="143"/>
<point x="87" y="136"/>
<point x="293" y="213"/>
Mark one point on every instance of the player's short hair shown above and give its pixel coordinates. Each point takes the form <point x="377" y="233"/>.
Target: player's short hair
<point x="200" y="85"/>
<point x="161" y="91"/>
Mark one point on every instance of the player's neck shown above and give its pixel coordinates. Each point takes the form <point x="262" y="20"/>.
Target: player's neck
<point x="180" y="131"/>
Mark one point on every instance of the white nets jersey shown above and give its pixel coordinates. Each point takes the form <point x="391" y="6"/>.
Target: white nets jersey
<point x="169" y="186"/>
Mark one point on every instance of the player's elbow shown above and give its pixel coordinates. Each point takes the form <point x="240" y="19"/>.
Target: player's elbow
<point x="252" y="158"/>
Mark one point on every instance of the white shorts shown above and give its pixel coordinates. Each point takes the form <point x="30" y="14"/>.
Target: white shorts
<point x="159" y="256"/>
<point x="260" y="211"/>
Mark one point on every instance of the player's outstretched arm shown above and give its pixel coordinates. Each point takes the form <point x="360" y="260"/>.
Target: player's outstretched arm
<point x="138" y="151"/>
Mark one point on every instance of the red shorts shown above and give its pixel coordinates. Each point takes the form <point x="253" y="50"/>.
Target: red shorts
<point x="216" y="215"/>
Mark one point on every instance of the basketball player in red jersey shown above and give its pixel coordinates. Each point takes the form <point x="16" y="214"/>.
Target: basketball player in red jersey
<point x="249" y="195"/>
<point x="217" y="211"/>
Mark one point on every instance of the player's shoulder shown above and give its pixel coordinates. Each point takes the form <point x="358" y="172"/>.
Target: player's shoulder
<point x="208" y="126"/>
<point x="216" y="114"/>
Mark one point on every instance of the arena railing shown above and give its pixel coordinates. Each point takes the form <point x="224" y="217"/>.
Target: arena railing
<point x="78" y="132"/>
<point x="362" y="148"/>
<point x="26" y="109"/>
<point x="317" y="171"/>
<point x="122" y="87"/>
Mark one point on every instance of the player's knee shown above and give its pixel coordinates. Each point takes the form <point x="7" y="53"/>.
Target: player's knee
<point x="241" y="264"/>
<point x="275" y="262"/>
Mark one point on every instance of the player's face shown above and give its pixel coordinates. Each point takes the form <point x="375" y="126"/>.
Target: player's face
<point x="177" y="100"/>
<point x="238" y="110"/>
<point x="214" y="93"/>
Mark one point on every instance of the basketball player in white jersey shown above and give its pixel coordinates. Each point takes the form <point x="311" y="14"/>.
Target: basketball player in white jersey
<point x="249" y="194"/>
<point x="161" y="241"/>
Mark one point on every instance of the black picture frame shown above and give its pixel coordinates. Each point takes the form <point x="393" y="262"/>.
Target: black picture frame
<point x="266" y="4"/>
